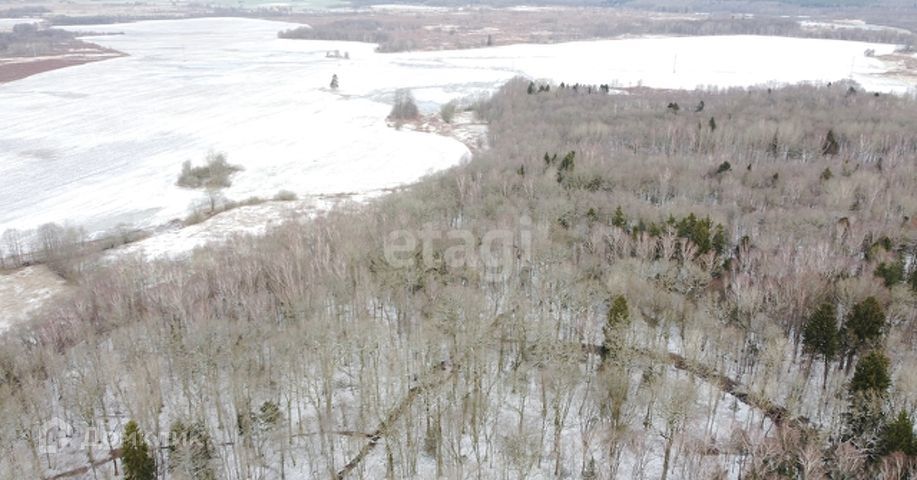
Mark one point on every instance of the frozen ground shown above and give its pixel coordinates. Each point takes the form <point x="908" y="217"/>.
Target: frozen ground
<point x="101" y="144"/>
<point x="24" y="290"/>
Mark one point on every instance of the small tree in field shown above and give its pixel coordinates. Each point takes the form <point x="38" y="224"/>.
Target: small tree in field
<point x="215" y="174"/>
<point x="820" y="336"/>
<point x="404" y="108"/>
<point x="334" y="82"/>
<point x="138" y="464"/>
<point x="447" y="112"/>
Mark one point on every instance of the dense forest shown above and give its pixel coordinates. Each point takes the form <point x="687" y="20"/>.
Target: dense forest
<point x="645" y="284"/>
<point x="488" y="27"/>
<point x="31" y="40"/>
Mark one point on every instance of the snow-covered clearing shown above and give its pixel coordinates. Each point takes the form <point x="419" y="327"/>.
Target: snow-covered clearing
<point x="101" y="144"/>
<point x="24" y="290"/>
<point x="245" y="220"/>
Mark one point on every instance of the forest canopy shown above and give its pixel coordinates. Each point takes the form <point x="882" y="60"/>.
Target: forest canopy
<point x="657" y="312"/>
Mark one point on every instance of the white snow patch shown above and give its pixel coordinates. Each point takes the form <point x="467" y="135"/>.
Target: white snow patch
<point x="252" y="220"/>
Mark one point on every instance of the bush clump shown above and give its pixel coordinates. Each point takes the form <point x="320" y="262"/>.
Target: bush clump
<point x="285" y="196"/>
<point x="404" y="108"/>
<point x="447" y="112"/>
<point x="215" y="174"/>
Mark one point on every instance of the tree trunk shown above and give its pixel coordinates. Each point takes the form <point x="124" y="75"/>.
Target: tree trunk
<point x="669" y="440"/>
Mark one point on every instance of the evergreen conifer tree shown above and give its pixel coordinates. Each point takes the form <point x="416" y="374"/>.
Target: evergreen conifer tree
<point x="136" y="459"/>
<point x="617" y="319"/>
<point x="863" y="328"/>
<point x="871" y="376"/>
<point x="830" y="146"/>
<point x="820" y="336"/>
<point x="619" y="219"/>
<point x="898" y="436"/>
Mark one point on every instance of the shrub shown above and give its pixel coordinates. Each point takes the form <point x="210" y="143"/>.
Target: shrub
<point x="404" y="107"/>
<point x="447" y="112"/>
<point x="215" y="174"/>
<point x="285" y="196"/>
<point x="891" y="273"/>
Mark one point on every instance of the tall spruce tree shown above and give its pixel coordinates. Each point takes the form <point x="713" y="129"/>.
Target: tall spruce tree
<point x="615" y="323"/>
<point x="898" y="436"/>
<point x="820" y="338"/>
<point x="863" y="328"/>
<point x="865" y="418"/>
<point x="871" y="375"/>
<point x="136" y="459"/>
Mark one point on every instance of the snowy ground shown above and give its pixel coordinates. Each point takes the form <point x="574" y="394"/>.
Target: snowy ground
<point x="25" y="290"/>
<point x="101" y="144"/>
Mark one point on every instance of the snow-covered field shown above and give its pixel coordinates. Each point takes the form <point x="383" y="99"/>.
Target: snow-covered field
<point x="101" y="144"/>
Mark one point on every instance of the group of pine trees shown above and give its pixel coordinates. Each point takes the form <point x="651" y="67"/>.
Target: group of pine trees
<point x="860" y="337"/>
<point x="190" y="449"/>
<point x="534" y="88"/>
<point x="702" y="232"/>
